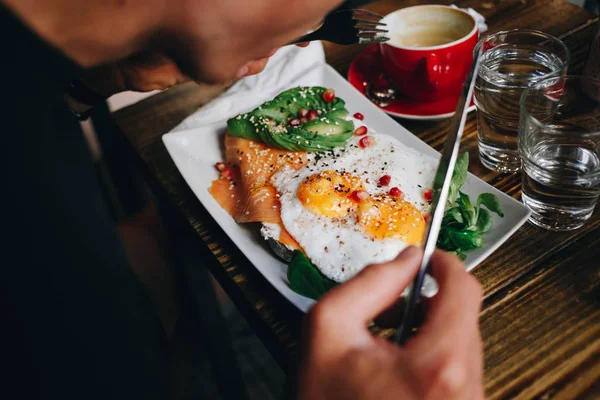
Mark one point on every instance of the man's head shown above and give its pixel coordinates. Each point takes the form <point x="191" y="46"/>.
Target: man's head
<point x="214" y="39"/>
<point x="210" y="40"/>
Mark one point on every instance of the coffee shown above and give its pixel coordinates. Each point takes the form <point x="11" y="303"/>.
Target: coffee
<point x="423" y="38"/>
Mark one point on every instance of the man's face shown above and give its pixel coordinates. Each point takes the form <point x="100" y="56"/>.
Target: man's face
<point x="212" y="39"/>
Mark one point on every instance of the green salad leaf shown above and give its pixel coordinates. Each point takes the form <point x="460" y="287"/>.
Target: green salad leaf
<point x="467" y="210"/>
<point x="484" y="221"/>
<point x="458" y="177"/>
<point x="465" y="239"/>
<point x="463" y="222"/>
<point x="491" y="202"/>
<point x="305" y="278"/>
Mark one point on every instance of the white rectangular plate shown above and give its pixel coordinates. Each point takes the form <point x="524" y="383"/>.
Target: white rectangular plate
<point x="196" y="151"/>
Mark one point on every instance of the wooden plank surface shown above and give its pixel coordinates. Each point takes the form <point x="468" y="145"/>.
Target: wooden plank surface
<point x="541" y="318"/>
<point x="542" y="338"/>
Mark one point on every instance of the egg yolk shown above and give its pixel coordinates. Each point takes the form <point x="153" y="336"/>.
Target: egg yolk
<point x="387" y="216"/>
<point x="328" y="193"/>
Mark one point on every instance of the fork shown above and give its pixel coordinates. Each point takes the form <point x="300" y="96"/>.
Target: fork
<point x="351" y="26"/>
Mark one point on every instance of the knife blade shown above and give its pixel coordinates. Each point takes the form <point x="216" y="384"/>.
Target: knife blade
<point x="441" y="187"/>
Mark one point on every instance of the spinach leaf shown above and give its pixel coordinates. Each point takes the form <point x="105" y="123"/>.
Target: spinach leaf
<point x="458" y="176"/>
<point x="453" y="217"/>
<point x="463" y="223"/>
<point x="444" y="242"/>
<point x="484" y="220"/>
<point x="465" y="239"/>
<point x="491" y="202"/>
<point x="329" y="284"/>
<point x="467" y="210"/>
<point x="304" y="278"/>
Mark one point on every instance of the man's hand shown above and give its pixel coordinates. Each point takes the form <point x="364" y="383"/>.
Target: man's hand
<point x="343" y="361"/>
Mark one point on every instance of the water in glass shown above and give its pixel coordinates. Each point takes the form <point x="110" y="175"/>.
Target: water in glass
<point x="561" y="184"/>
<point x="559" y="145"/>
<point x="506" y="72"/>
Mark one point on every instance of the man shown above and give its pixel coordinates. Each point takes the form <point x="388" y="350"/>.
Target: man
<point x="77" y="321"/>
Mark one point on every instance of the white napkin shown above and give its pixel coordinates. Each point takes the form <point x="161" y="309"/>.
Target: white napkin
<point x="288" y="64"/>
<point x="479" y="19"/>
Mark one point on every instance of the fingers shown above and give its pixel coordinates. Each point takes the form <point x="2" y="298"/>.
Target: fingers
<point x="271" y="53"/>
<point x="374" y="289"/>
<point x="256" y="66"/>
<point x="459" y="292"/>
<point x="253" y="67"/>
<point x="144" y="79"/>
<point x="454" y="310"/>
<point x="447" y="348"/>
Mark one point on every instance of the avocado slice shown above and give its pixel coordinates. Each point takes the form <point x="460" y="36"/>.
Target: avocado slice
<point x="274" y="110"/>
<point x="329" y="126"/>
<point x="241" y="127"/>
<point x="269" y="123"/>
<point x="317" y="135"/>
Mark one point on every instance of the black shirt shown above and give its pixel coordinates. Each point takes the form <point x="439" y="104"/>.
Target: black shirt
<point x="76" y="322"/>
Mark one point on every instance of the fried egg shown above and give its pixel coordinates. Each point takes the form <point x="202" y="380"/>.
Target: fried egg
<point x="343" y="217"/>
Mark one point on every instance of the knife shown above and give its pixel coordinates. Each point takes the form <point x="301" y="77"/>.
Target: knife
<point x="441" y="187"/>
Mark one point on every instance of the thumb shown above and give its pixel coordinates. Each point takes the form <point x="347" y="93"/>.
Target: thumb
<point x="373" y="290"/>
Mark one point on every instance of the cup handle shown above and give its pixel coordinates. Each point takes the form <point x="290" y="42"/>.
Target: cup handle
<point x="433" y="71"/>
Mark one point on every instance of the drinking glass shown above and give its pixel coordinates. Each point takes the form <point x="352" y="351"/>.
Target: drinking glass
<point x="559" y="144"/>
<point x="511" y="61"/>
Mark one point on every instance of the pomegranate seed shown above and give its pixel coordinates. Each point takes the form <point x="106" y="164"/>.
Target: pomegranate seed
<point x="366" y="141"/>
<point x="227" y="172"/>
<point x="294" y="122"/>
<point x="359" y="196"/>
<point x="396" y="192"/>
<point x="329" y="95"/>
<point x="359" y="116"/>
<point x="385" y="180"/>
<point x="312" y="114"/>
<point x="303" y="113"/>
<point x="303" y="120"/>
<point x="220" y="166"/>
<point x="426" y="217"/>
<point x="428" y="194"/>
<point x="361" y="131"/>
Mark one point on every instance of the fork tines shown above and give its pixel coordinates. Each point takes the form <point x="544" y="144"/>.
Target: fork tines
<point x="371" y="38"/>
<point x="369" y="26"/>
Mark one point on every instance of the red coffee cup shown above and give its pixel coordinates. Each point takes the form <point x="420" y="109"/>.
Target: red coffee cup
<point x="430" y="50"/>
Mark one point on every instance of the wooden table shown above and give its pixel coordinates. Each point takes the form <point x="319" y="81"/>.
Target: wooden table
<point x="541" y="316"/>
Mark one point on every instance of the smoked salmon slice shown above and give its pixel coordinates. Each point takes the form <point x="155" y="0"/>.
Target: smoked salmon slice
<point x="245" y="193"/>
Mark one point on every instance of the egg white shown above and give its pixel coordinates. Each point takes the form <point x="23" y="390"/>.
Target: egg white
<point x="339" y="247"/>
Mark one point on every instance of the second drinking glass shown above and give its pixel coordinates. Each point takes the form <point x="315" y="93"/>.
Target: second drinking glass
<point x="511" y="61"/>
